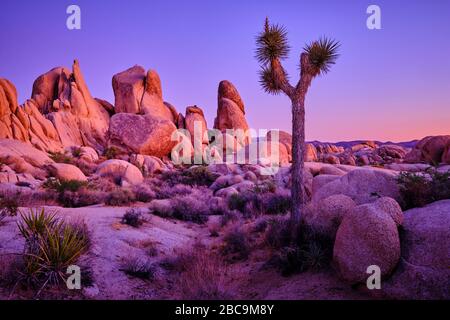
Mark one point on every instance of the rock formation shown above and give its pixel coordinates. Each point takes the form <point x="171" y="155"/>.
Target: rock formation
<point x="431" y="149"/>
<point x="230" y="111"/>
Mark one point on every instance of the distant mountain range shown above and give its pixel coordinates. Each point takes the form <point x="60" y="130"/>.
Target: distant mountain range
<point x="348" y="144"/>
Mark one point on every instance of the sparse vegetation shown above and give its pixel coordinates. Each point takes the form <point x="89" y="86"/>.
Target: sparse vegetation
<point x="420" y="189"/>
<point x="202" y="275"/>
<point x="111" y="152"/>
<point x="194" y="176"/>
<point x="61" y="157"/>
<point x="119" y="197"/>
<point x="139" y="268"/>
<point x="8" y="207"/>
<point x="298" y="248"/>
<point x="133" y="217"/>
<point x="236" y="244"/>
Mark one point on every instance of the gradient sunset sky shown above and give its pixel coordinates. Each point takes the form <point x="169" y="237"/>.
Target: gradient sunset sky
<point x="389" y="84"/>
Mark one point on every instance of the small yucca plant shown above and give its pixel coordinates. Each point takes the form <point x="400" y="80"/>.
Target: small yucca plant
<point x="51" y="245"/>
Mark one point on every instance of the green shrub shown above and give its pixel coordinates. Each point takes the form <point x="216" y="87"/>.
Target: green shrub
<point x="60" y="157"/>
<point x="64" y="185"/>
<point x="418" y="190"/>
<point x="194" y="176"/>
<point x="111" y="152"/>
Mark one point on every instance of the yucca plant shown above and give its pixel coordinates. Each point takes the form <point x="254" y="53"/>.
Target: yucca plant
<point x="51" y="245"/>
<point x="316" y="59"/>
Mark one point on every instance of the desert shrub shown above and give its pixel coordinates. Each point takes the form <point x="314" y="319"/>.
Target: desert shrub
<point x="194" y="176"/>
<point x="276" y="203"/>
<point x="418" y="190"/>
<point x="260" y="225"/>
<point x="73" y="193"/>
<point x="200" y="176"/>
<point x="195" y="207"/>
<point x="76" y="152"/>
<point x="202" y="274"/>
<point x="143" y="193"/>
<point x="51" y="245"/>
<point x="237" y="201"/>
<point x="298" y="247"/>
<point x="235" y="243"/>
<point x="253" y="202"/>
<point x="166" y="191"/>
<point x="188" y="208"/>
<point x="9" y="206"/>
<point x="229" y="216"/>
<point x="266" y="186"/>
<point x="133" y="217"/>
<point x="60" y="157"/>
<point x="88" y="168"/>
<point x="139" y="268"/>
<point x="110" y="152"/>
<point x="64" y="185"/>
<point x="119" y="197"/>
<point x="81" y="198"/>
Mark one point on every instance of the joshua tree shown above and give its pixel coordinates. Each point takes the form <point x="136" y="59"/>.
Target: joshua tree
<point x="316" y="59"/>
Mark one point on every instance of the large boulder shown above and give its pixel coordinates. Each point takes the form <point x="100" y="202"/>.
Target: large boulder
<point x="138" y="92"/>
<point x="23" y="157"/>
<point x="430" y="149"/>
<point x="424" y="271"/>
<point x="284" y="138"/>
<point x="446" y="154"/>
<point x="121" y="171"/>
<point x="148" y="164"/>
<point x="65" y="171"/>
<point x="141" y="134"/>
<point x="194" y="115"/>
<point x="230" y="111"/>
<point x="328" y="214"/>
<point x="363" y="185"/>
<point x="366" y="236"/>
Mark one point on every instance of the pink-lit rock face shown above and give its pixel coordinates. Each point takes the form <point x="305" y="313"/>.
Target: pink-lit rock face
<point x="142" y="134"/>
<point x="432" y="150"/>
<point x="367" y="236"/>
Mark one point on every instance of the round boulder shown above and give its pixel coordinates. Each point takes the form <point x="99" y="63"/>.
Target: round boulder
<point x="367" y="236"/>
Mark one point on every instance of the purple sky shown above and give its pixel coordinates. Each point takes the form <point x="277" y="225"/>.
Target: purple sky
<point x="389" y="84"/>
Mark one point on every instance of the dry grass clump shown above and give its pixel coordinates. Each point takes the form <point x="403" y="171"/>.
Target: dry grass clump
<point x="133" y="217"/>
<point x="139" y="267"/>
<point x="298" y="248"/>
<point x="236" y="244"/>
<point x="202" y="275"/>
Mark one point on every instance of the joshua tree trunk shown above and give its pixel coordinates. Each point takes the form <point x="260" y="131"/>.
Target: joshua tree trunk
<point x="298" y="147"/>
<point x="298" y="142"/>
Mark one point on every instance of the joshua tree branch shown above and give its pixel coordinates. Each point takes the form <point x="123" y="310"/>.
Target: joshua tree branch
<point x="280" y="78"/>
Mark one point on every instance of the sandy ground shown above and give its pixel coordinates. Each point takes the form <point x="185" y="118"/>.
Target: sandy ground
<point x="113" y="243"/>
